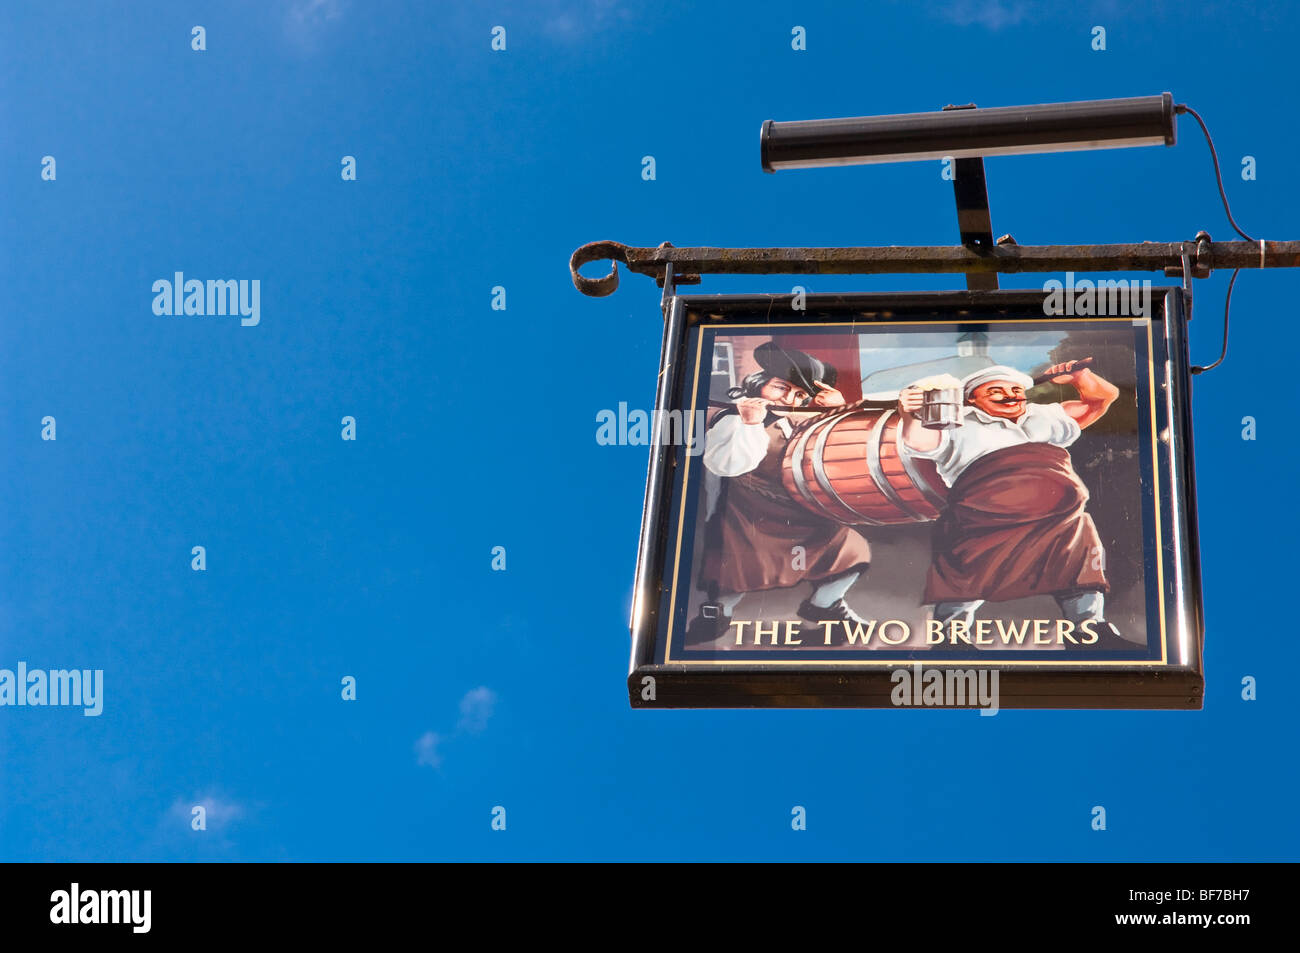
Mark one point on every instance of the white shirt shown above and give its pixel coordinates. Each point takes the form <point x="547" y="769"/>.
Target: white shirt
<point x="733" y="447"/>
<point x="981" y="433"/>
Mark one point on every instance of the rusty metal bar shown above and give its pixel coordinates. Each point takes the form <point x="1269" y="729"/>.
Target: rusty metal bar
<point x="688" y="264"/>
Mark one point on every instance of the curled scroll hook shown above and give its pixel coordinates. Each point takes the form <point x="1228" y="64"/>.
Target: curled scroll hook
<point x="596" y="251"/>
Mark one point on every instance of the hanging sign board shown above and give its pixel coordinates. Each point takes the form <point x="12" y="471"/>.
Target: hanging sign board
<point x="981" y="499"/>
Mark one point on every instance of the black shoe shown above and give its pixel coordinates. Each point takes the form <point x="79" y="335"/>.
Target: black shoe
<point x="837" y="611"/>
<point x="709" y="625"/>
<point x="1109" y="640"/>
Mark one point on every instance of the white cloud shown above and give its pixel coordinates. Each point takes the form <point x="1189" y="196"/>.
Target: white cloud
<point x="476" y="708"/>
<point x="306" y="20"/>
<point x="572" y="20"/>
<point x="991" y="14"/>
<point x="426" y="749"/>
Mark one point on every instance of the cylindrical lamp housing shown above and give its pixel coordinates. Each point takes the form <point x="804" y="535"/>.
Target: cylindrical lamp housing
<point x="961" y="133"/>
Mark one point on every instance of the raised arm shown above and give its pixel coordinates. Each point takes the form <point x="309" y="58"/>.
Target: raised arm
<point x="1096" y="394"/>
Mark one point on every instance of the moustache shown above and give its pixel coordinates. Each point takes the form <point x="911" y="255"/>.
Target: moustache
<point x="1010" y="400"/>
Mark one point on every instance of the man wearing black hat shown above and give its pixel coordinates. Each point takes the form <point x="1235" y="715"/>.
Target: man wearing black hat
<point x="754" y="527"/>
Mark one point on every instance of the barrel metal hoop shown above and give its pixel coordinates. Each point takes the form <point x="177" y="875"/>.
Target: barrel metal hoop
<point x="819" y="469"/>
<point x="881" y="481"/>
<point x="796" y="470"/>
<point x="920" y="482"/>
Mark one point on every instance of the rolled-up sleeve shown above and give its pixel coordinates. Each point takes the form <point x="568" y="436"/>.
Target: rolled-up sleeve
<point x="733" y="447"/>
<point x="940" y="453"/>
<point x="1065" y="429"/>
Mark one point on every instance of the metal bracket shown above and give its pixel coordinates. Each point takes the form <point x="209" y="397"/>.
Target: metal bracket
<point x="670" y="276"/>
<point x="970" y="189"/>
<point x="1189" y="271"/>
<point x="1197" y="260"/>
<point x="973" y="218"/>
<point x="670" y="289"/>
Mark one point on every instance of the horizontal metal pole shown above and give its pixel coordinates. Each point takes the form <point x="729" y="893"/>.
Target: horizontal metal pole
<point x="688" y="264"/>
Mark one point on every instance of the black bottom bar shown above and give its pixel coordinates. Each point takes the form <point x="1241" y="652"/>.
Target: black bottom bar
<point x="336" y="902"/>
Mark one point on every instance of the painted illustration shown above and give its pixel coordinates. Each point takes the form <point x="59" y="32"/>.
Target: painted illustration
<point x="922" y="490"/>
<point x="753" y="523"/>
<point x="1014" y="522"/>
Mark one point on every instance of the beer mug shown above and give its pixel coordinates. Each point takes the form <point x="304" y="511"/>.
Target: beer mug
<point x="941" y="408"/>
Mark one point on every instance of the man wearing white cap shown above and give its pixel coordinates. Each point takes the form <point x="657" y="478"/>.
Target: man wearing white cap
<point x="1014" y="524"/>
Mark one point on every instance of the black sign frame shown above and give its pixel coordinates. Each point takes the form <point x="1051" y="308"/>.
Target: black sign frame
<point x="657" y="680"/>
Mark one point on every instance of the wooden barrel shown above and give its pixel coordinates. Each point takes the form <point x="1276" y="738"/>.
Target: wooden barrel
<point x="853" y="467"/>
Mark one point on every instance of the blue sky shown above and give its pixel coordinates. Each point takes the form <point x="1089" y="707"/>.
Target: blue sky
<point x="476" y="428"/>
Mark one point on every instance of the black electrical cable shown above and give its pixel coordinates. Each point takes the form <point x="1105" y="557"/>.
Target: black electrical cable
<point x="1182" y="107"/>
<point x="1227" y="300"/>
<point x="1218" y="176"/>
